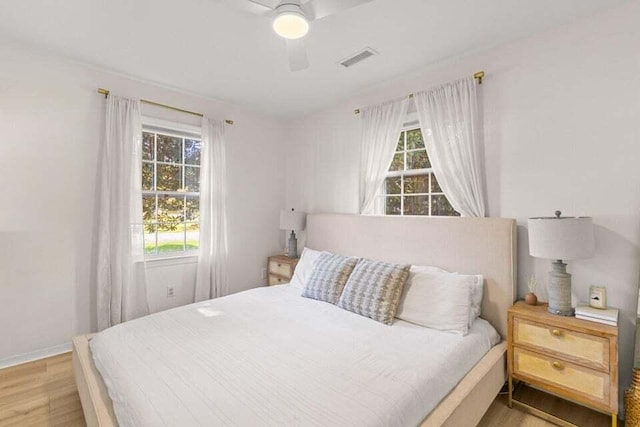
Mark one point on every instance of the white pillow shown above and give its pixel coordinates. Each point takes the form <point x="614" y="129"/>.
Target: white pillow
<point x="304" y="268"/>
<point x="476" y="289"/>
<point x="438" y="300"/>
<point x="427" y="269"/>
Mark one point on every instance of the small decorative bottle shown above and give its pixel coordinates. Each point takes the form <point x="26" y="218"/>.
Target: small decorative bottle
<point x="632" y="401"/>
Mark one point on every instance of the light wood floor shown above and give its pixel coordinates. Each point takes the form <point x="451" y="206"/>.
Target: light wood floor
<point x="40" y="393"/>
<point x="43" y="393"/>
<point x="499" y="413"/>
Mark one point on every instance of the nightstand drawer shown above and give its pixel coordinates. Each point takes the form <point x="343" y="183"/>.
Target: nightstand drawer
<point x="277" y="280"/>
<point x="587" y="350"/>
<point x="280" y="268"/>
<point x="584" y="384"/>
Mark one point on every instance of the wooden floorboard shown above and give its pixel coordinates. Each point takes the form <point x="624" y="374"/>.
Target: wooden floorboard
<point x="499" y="413"/>
<point x="40" y="393"/>
<point x="43" y="393"/>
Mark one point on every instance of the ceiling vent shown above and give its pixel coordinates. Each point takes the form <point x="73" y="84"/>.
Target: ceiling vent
<point x="358" y="57"/>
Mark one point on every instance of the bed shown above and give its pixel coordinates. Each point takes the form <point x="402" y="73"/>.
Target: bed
<point x="485" y="246"/>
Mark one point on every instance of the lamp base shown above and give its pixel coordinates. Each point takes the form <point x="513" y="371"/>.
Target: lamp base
<point x="293" y="246"/>
<point x="560" y="290"/>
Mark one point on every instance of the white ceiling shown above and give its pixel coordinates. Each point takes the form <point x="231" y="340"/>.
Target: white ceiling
<point x="205" y="47"/>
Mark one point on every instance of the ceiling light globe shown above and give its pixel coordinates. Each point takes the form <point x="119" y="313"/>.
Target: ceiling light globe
<point x="291" y="25"/>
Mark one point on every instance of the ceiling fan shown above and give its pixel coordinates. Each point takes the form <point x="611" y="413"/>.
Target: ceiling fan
<point x="291" y="19"/>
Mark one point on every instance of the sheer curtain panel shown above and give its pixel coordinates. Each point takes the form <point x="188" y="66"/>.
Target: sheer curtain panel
<point x="453" y="136"/>
<point x="211" y="277"/>
<point x="381" y="126"/>
<point x="121" y="282"/>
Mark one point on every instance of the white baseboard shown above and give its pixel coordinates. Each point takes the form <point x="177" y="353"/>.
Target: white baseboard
<point x="35" y="355"/>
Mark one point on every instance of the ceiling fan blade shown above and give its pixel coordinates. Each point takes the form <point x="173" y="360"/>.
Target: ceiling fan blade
<point x="270" y="4"/>
<point x="256" y="7"/>
<point x="297" y="55"/>
<point x="317" y="9"/>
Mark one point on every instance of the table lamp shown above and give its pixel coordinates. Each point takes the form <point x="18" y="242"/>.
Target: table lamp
<point x="294" y="221"/>
<point x="561" y="238"/>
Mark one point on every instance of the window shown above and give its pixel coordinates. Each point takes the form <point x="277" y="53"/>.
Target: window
<point x="411" y="187"/>
<point x="170" y="191"/>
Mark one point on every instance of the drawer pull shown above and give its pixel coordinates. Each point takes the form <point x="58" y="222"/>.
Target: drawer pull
<point x="279" y="265"/>
<point x="556" y="332"/>
<point x="557" y="365"/>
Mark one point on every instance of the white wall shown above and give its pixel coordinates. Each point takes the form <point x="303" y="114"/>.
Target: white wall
<point x="562" y="131"/>
<point x="50" y="122"/>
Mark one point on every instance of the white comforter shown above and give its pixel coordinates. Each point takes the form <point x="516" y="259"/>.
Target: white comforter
<point x="270" y="357"/>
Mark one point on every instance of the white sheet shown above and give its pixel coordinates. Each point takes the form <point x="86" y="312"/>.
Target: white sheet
<point x="270" y="357"/>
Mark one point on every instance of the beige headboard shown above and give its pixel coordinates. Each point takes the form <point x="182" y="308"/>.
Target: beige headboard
<point x="484" y="246"/>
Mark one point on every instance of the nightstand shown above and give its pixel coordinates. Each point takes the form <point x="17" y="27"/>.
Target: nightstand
<point x="570" y="358"/>
<point x="280" y="269"/>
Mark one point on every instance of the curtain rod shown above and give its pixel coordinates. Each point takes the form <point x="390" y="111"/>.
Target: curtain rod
<point x="105" y="92"/>
<point x="479" y="75"/>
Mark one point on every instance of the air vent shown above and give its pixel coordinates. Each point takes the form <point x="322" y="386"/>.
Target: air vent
<point x="358" y="57"/>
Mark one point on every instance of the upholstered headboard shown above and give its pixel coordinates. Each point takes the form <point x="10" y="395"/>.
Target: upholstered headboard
<point x="484" y="246"/>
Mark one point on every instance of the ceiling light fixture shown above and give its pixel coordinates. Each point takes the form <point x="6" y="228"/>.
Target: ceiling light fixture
<point x="290" y="23"/>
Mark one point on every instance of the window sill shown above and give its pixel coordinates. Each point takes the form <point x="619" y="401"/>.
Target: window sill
<point x="176" y="259"/>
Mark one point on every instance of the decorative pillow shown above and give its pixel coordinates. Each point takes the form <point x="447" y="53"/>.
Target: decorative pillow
<point x="374" y="290"/>
<point x="438" y="300"/>
<point x="304" y="268"/>
<point x="329" y="275"/>
<point x="476" y="289"/>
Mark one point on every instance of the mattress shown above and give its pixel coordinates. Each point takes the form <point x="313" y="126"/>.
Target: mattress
<point x="270" y="357"/>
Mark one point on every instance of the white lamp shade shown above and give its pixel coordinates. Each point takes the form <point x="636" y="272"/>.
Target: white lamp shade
<point x="561" y="238"/>
<point x="292" y="220"/>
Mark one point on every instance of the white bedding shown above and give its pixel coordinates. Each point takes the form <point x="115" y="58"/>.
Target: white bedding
<point x="270" y="357"/>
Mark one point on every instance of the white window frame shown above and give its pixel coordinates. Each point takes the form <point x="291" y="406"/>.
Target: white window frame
<point x="408" y="126"/>
<point x="183" y="131"/>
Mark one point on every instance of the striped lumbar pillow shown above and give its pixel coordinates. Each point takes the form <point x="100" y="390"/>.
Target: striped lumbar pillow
<point x="329" y="275"/>
<point x="374" y="290"/>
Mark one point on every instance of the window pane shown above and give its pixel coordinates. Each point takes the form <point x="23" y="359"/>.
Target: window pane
<point x="169" y="149"/>
<point x="148" y="209"/>
<point x="435" y="186"/>
<point x="150" y="238"/>
<point x="398" y="162"/>
<point x="170" y="237"/>
<point x="193" y="236"/>
<point x="414" y="139"/>
<point x="416" y="184"/>
<point x="392" y="205"/>
<point x="170" y="212"/>
<point x="193" y="208"/>
<point x="192" y="151"/>
<point x="416" y="205"/>
<point x="393" y="185"/>
<point x="147" y="176"/>
<point x="147" y="146"/>
<point x="440" y="206"/>
<point x="169" y="178"/>
<point x="417" y="160"/>
<point x="400" y="146"/>
<point x="191" y="179"/>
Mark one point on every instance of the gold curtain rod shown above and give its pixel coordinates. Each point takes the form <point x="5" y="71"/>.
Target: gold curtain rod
<point x="105" y="92"/>
<point x="479" y="75"/>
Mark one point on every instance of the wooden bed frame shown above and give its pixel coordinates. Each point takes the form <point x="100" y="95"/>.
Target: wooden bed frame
<point x="484" y="246"/>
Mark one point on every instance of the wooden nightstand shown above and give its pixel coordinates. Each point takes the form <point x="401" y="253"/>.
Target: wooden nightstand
<point x="280" y="269"/>
<point x="571" y="358"/>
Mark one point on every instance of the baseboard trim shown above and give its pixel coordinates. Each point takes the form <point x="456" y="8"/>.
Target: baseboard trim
<point x="35" y="355"/>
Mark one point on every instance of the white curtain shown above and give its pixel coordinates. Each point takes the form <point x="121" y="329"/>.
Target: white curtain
<point x="211" y="277"/>
<point x="453" y="136"/>
<point x="381" y="126"/>
<point x="121" y="285"/>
